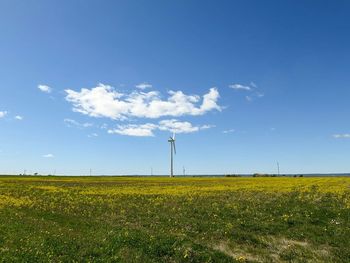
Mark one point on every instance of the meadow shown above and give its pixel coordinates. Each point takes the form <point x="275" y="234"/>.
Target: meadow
<point x="158" y="219"/>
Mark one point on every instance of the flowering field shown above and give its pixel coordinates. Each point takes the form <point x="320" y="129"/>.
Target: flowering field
<point x="109" y="219"/>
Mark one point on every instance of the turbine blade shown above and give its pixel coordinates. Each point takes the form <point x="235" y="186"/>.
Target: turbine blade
<point x="174" y="136"/>
<point x="174" y="147"/>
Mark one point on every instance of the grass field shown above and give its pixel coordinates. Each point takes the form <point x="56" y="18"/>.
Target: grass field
<point x="109" y="219"/>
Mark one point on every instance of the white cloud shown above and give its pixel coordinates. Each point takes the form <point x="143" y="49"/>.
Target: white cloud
<point x="204" y="127"/>
<point x="177" y="126"/>
<point x="147" y="129"/>
<point x="240" y="87"/>
<point x="143" y="86"/>
<point x="70" y="123"/>
<point x="180" y="126"/>
<point x="49" y="155"/>
<point x="143" y="130"/>
<point x="342" y="136"/>
<point x="3" y="114"/>
<point x="45" y="88"/>
<point x="229" y="131"/>
<point x="18" y="117"/>
<point x="104" y="101"/>
<point x="251" y="88"/>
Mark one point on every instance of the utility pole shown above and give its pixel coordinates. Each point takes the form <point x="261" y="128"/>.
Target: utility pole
<point x="90" y="171"/>
<point x="278" y="168"/>
<point x="184" y="170"/>
<point x="151" y="171"/>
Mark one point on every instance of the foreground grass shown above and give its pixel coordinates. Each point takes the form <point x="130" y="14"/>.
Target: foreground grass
<point x="91" y="219"/>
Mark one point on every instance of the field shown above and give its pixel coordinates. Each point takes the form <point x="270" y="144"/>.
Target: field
<point x="109" y="219"/>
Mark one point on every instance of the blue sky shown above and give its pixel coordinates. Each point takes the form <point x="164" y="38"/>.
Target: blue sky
<point x="103" y="84"/>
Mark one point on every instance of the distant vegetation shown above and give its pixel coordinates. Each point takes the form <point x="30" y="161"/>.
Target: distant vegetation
<point x="232" y="175"/>
<point x="264" y="175"/>
<point x="275" y="175"/>
<point x="109" y="219"/>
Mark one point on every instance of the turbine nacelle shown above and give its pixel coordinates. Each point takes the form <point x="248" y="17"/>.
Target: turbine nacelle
<point x="172" y="139"/>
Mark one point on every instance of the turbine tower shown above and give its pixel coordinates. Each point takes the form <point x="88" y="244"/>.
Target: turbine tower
<point x="172" y="151"/>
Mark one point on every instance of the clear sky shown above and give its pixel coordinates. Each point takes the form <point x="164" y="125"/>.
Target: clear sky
<point x="244" y="84"/>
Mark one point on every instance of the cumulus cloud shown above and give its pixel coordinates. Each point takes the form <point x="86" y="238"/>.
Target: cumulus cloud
<point x="45" y="88"/>
<point x="49" y="155"/>
<point x="18" y="117"/>
<point x="180" y="126"/>
<point x="342" y="136"/>
<point x="3" y="114"/>
<point x="104" y="101"/>
<point x="177" y="126"/>
<point x="147" y="129"/>
<point x="93" y="135"/>
<point x="240" y="87"/>
<point x="143" y="86"/>
<point x="143" y="130"/>
<point x="70" y="123"/>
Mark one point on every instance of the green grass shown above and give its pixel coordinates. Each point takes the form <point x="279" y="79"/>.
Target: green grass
<point x="90" y="219"/>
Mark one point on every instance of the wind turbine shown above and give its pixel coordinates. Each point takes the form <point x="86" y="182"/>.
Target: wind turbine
<point x="172" y="151"/>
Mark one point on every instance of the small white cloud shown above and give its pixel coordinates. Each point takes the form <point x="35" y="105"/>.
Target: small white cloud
<point x="3" y="114"/>
<point x="143" y="130"/>
<point x="143" y="85"/>
<point x="49" y="155"/>
<point x="229" y="131"/>
<point x="342" y="136"/>
<point x="204" y="127"/>
<point x="18" y="117"/>
<point x="177" y="126"/>
<point x="70" y="123"/>
<point x="45" y="88"/>
<point x="92" y="135"/>
<point x="251" y="88"/>
<point x="240" y="87"/>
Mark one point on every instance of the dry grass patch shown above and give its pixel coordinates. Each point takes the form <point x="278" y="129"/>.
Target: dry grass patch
<point x="237" y="253"/>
